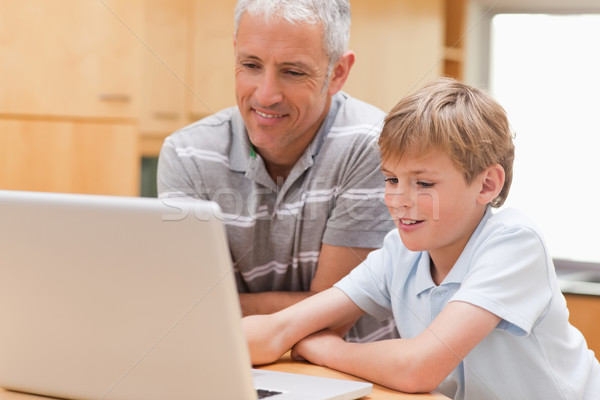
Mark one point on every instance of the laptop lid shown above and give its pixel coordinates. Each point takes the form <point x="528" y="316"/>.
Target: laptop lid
<point x="123" y="298"/>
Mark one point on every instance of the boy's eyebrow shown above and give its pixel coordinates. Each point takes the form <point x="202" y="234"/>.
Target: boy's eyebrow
<point x="413" y="172"/>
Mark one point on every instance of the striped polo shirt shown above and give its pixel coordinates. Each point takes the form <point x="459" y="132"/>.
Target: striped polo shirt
<point x="333" y="195"/>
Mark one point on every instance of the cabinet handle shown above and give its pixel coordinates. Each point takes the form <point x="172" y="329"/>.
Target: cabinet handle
<point x="165" y="115"/>
<point x="114" y="97"/>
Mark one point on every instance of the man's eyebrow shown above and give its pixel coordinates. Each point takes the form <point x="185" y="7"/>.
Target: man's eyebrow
<point x="248" y="57"/>
<point x="295" y="64"/>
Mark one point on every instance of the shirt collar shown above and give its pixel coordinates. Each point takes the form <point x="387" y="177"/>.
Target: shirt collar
<point x="242" y="153"/>
<point x="239" y="154"/>
<point x="459" y="270"/>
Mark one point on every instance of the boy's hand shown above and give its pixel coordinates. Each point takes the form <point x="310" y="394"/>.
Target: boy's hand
<point x="263" y="340"/>
<point x="314" y="348"/>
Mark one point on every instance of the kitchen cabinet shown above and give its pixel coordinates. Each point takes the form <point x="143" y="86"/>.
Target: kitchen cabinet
<point x="166" y="49"/>
<point x="212" y="60"/>
<point x="399" y="47"/>
<point x="69" y="156"/>
<point x="584" y="314"/>
<point x="128" y="69"/>
<point x="70" y="58"/>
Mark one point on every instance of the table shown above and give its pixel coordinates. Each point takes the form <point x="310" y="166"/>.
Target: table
<point x="285" y="364"/>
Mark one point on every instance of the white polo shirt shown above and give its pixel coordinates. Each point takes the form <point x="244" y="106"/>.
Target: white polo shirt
<point x="534" y="353"/>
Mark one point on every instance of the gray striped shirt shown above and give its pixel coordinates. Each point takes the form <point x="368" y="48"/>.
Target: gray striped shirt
<point x="333" y="195"/>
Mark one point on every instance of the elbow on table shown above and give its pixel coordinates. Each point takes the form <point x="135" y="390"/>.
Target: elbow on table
<point x="416" y="377"/>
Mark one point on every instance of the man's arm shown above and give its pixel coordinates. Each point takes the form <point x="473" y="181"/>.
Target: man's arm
<point x="335" y="262"/>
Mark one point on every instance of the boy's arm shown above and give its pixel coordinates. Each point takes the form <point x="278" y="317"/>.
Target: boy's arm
<point x="270" y="336"/>
<point x="419" y="364"/>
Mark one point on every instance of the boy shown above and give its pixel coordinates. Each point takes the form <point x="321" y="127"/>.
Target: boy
<point x="473" y="293"/>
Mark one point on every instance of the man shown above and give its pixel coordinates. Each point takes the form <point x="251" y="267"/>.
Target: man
<point x="293" y="166"/>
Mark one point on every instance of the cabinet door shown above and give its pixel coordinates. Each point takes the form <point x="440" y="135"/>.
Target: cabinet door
<point x="166" y="52"/>
<point x="399" y="46"/>
<point x="584" y="314"/>
<point x="213" y="85"/>
<point x="70" y="157"/>
<point x="77" y="58"/>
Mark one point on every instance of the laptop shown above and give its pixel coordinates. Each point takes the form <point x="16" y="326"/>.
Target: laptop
<point x="122" y="298"/>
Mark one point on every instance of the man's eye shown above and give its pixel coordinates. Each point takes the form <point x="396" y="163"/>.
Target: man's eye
<point x="250" y="65"/>
<point x="393" y="181"/>
<point x="295" y="74"/>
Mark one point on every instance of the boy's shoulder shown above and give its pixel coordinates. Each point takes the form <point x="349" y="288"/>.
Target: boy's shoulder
<point x="508" y="218"/>
<point x="508" y="229"/>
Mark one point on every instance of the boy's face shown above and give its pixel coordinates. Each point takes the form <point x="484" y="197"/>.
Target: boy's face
<point x="431" y="204"/>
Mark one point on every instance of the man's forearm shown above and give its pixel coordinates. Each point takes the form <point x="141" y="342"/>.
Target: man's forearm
<point x="269" y="302"/>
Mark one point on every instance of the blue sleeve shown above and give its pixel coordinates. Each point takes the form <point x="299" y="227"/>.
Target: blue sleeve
<point x="368" y="285"/>
<point x="511" y="278"/>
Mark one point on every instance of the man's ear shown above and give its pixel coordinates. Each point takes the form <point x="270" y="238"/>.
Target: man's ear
<point x="492" y="181"/>
<point x="340" y="72"/>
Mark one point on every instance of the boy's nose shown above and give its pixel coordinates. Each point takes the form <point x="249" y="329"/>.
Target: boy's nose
<point x="399" y="198"/>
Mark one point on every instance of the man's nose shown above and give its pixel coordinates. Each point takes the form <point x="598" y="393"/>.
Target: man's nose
<point x="268" y="91"/>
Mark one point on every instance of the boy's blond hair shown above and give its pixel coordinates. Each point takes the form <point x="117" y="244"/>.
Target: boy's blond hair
<point x="464" y="122"/>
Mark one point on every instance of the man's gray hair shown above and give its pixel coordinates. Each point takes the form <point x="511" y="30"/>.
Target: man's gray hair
<point x="334" y="15"/>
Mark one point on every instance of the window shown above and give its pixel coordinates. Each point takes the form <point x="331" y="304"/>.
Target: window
<point x="545" y="70"/>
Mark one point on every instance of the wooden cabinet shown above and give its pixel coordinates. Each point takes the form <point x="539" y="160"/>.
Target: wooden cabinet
<point x="74" y="58"/>
<point x="69" y="156"/>
<point x="70" y="97"/>
<point x="167" y="53"/>
<point x="145" y="68"/>
<point x="398" y="46"/>
<point x="584" y="314"/>
<point x="455" y="17"/>
<point x="212" y="72"/>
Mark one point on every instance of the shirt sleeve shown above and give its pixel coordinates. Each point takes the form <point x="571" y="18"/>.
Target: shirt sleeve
<point x="359" y="217"/>
<point x="511" y="278"/>
<point x="368" y="284"/>
<point x="173" y="178"/>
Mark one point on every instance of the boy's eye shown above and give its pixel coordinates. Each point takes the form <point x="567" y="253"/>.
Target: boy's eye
<point x="425" y="185"/>
<point x="392" y="180"/>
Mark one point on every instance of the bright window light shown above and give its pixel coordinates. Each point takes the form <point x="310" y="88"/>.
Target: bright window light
<point x="545" y="71"/>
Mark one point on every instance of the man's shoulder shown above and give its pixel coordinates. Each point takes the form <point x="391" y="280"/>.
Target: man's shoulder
<point x="353" y="109"/>
<point x="211" y="129"/>
<point x="355" y="118"/>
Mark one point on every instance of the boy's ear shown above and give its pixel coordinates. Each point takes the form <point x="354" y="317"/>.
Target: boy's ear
<point x="492" y="181"/>
<point x="340" y="72"/>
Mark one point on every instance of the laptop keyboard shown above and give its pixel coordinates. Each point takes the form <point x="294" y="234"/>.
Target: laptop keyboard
<point x="263" y="394"/>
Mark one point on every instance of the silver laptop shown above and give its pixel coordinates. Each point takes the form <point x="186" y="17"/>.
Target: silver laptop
<point x="127" y="299"/>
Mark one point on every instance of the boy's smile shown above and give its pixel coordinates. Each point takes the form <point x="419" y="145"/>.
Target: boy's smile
<point x="432" y="205"/>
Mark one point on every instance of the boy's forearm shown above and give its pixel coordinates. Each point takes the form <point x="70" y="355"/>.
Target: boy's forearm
<point x="391" y="363"/>
<point x="270" y="336"/>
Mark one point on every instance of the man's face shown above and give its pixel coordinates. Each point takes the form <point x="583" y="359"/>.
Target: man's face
<point x="281" y="84"/>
